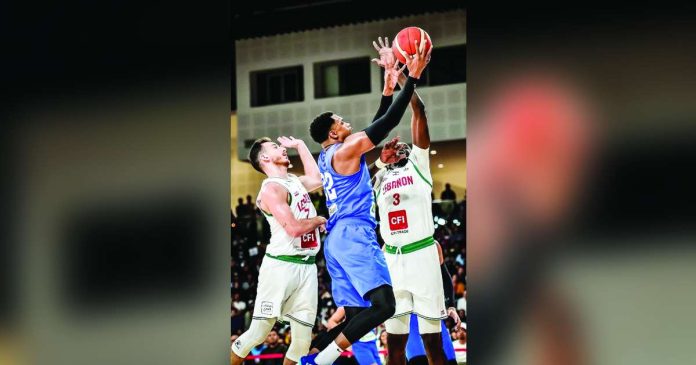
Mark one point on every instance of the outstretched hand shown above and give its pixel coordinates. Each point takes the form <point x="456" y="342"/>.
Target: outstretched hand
<point x="289" y="142"/>
<point x="386" y="55"/>
<point x="389" y="154"/>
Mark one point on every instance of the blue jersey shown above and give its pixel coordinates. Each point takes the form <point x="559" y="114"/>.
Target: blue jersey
<point x="347" y="197"/>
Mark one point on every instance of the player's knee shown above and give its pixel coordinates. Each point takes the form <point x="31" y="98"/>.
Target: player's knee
<point x="384" y="302"/>
<point x="256" y="334"/>
<point x="298" y="348"/>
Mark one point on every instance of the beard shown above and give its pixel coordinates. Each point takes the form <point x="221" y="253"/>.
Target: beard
<point x="401" y="163"/>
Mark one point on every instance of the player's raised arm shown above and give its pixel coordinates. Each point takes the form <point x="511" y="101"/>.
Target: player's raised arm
<point x="420" y="134"/>
<point x="274" y="199"/>
<point x="387" y="61"/>
<point x="357" y="144"/>
<point x="312" y="177"/>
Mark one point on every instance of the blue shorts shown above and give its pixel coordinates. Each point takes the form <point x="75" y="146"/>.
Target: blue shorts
<point x="366" y="353"/>
<point x="355" y="262"/>
<point x="415" y="347"/>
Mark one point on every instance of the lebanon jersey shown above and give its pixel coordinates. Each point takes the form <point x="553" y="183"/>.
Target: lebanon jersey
<point x="348" y="197"/>
<point x="301" y="207"/>
<point x="404" y="200"/>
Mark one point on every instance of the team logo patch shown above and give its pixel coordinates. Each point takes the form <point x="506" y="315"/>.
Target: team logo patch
<point x="397" y="220"/>
<point x="267" y="308"/>
<point x="237" y="345"/>
<point x="309" y="240"/>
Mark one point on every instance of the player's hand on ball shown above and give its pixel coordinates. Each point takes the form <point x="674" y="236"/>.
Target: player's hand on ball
<point x="416" y="63"/>
<point x="386" y="54"/>
<point x="289" y="142"/>
<point x="389" y="152"/>
<point x="452" y="312"/>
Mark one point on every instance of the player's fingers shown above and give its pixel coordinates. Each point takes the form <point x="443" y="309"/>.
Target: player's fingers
<point x="386" y="41"/>
<point x="375" y="45"/>
<point x="422" y="47"/>
<point x="402" y="68"/>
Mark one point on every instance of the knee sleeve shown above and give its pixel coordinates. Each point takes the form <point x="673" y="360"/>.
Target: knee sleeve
<point x="399" y="325"/>
<point x="383" y="307"/>
<point x="300" y="341"/>
<point x="383" y="302"/>
<point x="429" y="325"/>
<point x="256" y="334"/>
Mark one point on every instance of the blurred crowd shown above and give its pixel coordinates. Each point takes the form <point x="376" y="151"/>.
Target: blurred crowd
<point x="251" y="233"/>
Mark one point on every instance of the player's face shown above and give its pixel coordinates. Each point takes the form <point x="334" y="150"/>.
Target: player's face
<point x="402" y="151"/>
<point x="278" y="155"/>
<point x="341" y="128"/>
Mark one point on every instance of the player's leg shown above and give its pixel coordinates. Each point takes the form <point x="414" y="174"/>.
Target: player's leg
<point x="383" y="305"/>
<point x="447" y="345"/>
<point x="358" y="271"/>
<point x="325" y="338"/>
<point x="301" y="340"/>
<point x="429" y="302"/>
<point x="415" y="350"/>
<point x="255" y="335"/>
<point x="364" y="354"/>
<point x="397" y="329"/>
<point x="430" y="330"/>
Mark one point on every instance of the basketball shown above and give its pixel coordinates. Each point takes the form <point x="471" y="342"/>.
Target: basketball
<point x="404" y="42"/>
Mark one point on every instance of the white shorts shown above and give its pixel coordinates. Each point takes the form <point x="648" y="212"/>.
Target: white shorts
<point x="417" y="282"/>
<point x="287" y="290"/>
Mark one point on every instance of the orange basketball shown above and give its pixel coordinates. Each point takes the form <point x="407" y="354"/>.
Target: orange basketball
<point x="404" y="42"/>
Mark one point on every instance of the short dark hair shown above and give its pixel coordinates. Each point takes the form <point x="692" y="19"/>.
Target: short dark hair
<point x="320" y="127"/>
<point x="254" y="152"/>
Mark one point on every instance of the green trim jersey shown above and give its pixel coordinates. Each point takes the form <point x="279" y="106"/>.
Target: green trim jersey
<point x="281" y="243"/>
<point x="404" y="200"/>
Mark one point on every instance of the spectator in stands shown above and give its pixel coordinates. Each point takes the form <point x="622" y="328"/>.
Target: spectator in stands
<point x="460" y="344"/>
<point x="240" y="208"/>
<point x="238" y="303"/>
<point x="274" y="345"/>
<point x="236" y="321"/>
<point x="250" y="207"/>
<point x="448" y="193"/>
<point x="382" y="345"/>
<point x="461" y="302"/>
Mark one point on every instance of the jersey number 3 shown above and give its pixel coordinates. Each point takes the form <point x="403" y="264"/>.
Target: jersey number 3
<point x="328" y="182"/>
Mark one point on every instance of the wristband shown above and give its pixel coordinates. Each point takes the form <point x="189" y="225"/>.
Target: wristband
<point x="380" y="165"/>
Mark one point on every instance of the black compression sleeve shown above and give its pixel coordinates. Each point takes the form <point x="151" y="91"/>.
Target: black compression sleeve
<point x="383" y="106"/>
<point x="380" y="128"/>
<point x="447" y="285"/>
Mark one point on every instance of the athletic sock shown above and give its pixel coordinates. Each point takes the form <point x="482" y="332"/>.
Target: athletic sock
<point x="329" y="354"/>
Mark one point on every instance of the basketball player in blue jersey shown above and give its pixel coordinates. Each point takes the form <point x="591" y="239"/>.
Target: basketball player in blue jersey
<point x="360" y="280"/>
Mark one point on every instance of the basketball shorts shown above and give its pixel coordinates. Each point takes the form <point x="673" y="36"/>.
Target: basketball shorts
<point x="287" y="290"/>
<point x="355" y="262"/>
<point x="417" y="282"/>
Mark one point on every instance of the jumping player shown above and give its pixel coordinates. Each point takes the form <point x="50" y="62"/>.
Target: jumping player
<point x="288" y="283"/>
<point x="403" y="193"/>
<point x="359" y="277"/>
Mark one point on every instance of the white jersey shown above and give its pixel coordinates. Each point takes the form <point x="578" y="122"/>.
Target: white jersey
<point x="404" y="200"/>
<point x="302" y="208"/>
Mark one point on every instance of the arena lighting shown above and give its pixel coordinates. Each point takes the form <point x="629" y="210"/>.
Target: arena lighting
<point x="439" y="166"/>
<point x="433" y="152"/>
<point x="455" y="221"/>
<point x="436" y="225"/>
<point x="290" y="166"/>
<point x="441" y="222"/>
<point x="436" y="218"/>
